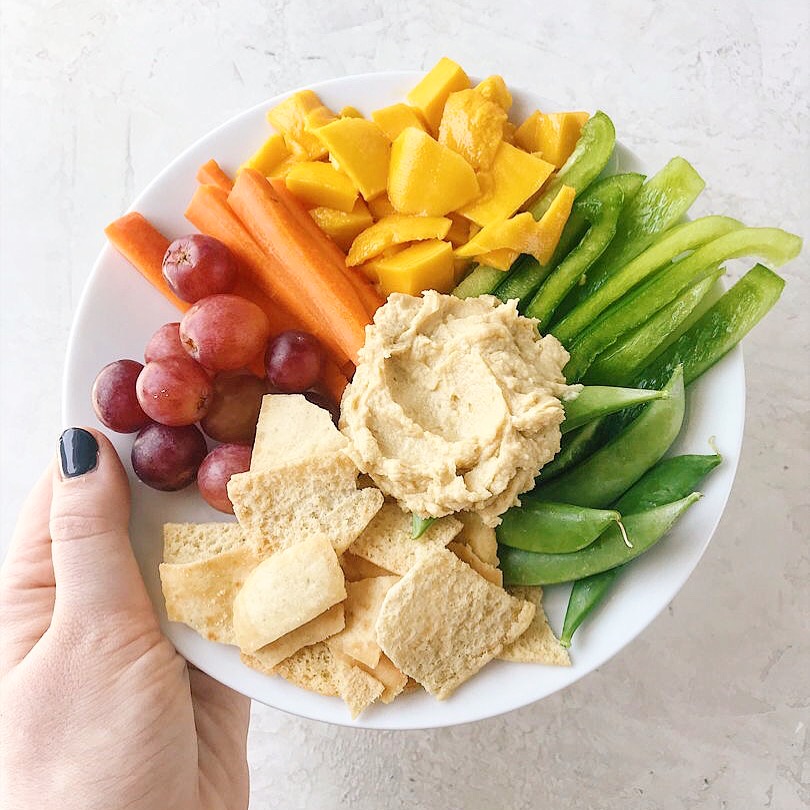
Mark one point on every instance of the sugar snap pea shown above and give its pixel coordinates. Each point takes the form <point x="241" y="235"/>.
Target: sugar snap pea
<point x="607" y="551"/>
<point x="574" y="447"/>
<point x="586" y="594"/>
<point x="594" y="401"/>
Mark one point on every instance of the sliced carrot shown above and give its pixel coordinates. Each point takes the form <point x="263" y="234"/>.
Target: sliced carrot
<point x="211" y="174"/>
<point x="334" y="381"/>
<point x="365" y="290"/>
<point x="304" y="273"/>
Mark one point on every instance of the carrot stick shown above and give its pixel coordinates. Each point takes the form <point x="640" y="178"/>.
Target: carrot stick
<point x="365" y="290"/>
<point x="333" y="381"/>
<point x="210" y="213"/>
<point x="211" y="174"/>
<point x="303" y="273"/>
<point x="143" y="246"/>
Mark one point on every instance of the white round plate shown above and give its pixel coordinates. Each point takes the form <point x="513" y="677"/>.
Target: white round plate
<point x="118" y="313"/>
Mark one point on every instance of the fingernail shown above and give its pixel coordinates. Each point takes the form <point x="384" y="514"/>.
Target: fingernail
<point x="78" y="452"/>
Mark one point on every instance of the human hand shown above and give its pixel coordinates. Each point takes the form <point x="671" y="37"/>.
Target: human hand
<point x="97" y="709"/>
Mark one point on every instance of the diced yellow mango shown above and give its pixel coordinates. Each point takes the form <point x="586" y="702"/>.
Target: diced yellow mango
<point x="509" y="130"/>
<point x="381" y="207"/>
<point x="268" y="156"/>
<point x="341" y="226"/>
<point x="431" y="93"/>
<point x="392" y="120"/>
<point x="553" y="134"/>
<point x="522" y="234"/>
<point x="494" y="89"/>
<point x="350" y="112"/>
<point x="459" y="231"/>
<point x="427" y="265"/>
<point x="472" y="126"/>
<point x="361" y="150"/>
<point x="321" y="185"/>
<point x="460" y="268"/>
<point x="297" y="118"/>
<point x="501" y="259"/>
<point x="395" y="230"/>
<point x="513" y="177"/>
<point x="281" y="169"/>
<point x="426" y="177"/>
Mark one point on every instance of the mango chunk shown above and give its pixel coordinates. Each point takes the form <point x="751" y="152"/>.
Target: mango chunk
<point x="553" y="134"/>
<point x="297" y="118"/>
<point x="427" y="265"/>
<point x="392" y="120"/>
<point x="320" y="184"/>
<point x="472" y="126"/>
<point x="513" y="177"/>
<point x="268" y="156"/>
<point x="350" y="112"/>
<point x="431" y="93"/>
<point x="459" y="231"/>
<point x="341" y="226"/>
<point x="395" y="230"/>
<point x="381" y="207"/>
<point x="522" y="234"/>
<point x="494" y="89"/>
<point x="361" y="150"/>
<point x="426" y="177"/>
<point x="501" y="259"/>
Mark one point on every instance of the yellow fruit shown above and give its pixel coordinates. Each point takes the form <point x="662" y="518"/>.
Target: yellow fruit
<point x="341" y="226"/>
<point x="472" y="126"/>
<point x="297" y="118"/>
<point x="395" y="229"/>
<point x="494" y="88"/>
<point x="426" y="265"/>
<point x="392" y="120"/>
<point x="268" y="156"/>
<point x="321" y="185"/>
<point x="553" y="134"/>
<point x="431" y="93"/>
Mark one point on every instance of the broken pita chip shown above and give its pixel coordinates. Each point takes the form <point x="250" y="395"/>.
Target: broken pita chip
<point x="311" y="668"/>
<point x="189" y="542"/>
<point x="358" y="639"/>
<point x="393" y="681"/>
<point x="466" y="554"/>
<point x="388" y="539"/>
<point x="201" y="593"/>
<point x="538" y="644"/>
<point x="292" y="429"/>
<point x="357" y="688"/>
<point x="318" y="629"/>
<point x="442" y="622"/>
<point x="356" y="568"/>
<point x="479" y="537"/>
<point x="278" y="507"/>
<point x="285" y="591"/>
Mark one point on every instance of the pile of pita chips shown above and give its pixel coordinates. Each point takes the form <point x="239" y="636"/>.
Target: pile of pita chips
<point x="322" y="583"/>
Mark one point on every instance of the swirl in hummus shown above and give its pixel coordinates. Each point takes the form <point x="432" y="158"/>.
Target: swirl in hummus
<point x="455" y="404"/>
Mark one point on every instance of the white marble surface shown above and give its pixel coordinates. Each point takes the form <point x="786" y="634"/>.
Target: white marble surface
<point x="710" y="707"/>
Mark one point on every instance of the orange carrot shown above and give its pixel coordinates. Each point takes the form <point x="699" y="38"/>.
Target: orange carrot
<point x="304" y="273"/>
<point x="365" y="290"/>
<point x="333" y="381"/>
<point x="211" y="174"/>
<point x="143" y="246"/>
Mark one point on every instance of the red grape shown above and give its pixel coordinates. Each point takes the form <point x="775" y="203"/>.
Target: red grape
<point x="224" y="332"/>
<point x="197" y="265"/>
<point x="165" y="343"/>
<point x="325" y="402"/>
<point x="114" y="398"/>
<point x="235" y="406"/>
<point x="174" y="391"/>
<point x="216" y="470"/>
<point x="167" y="458"/>
<point x="293" y="361"/>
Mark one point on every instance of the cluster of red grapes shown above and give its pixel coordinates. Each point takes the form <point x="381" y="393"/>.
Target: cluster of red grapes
<point x="194" y="378"/>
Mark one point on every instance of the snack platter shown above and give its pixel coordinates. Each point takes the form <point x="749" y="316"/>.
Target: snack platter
<point x="119" y="312"/>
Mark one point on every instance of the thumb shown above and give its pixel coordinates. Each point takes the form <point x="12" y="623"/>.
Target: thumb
<point x="93" y="563"/>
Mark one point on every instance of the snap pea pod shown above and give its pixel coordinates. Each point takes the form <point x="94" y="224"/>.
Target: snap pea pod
<point x="420" y="525"/>
<point x="602" y="205"/>
<point x="554" y="528"/>
<point x="774" y="244"/>
<point x="591" y="154"/>
<point x="613" y="469"/>
<point x="660" y="203"/>
<point x="607" y="551"/>
<point x="594" y="401"/>
<point x="481" y="281"/>
<point x="672" y="244"/>
<point x="574" y="447"/>
<point x="669" y="480"/>
<point x="625" y="358"/>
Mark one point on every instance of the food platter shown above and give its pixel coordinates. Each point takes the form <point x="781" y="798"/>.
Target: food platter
<point x="119" y="311"/>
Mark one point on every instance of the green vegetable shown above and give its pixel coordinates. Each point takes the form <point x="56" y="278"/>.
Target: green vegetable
<point x="668" y="247"/>
<point x="586" y="594"/>
<point x="594" y="401"/>
<point x="607" y="551"/>
<point x="554" y="528"/>
<point x="574" y="446"/>
<point x="420" y="526"/>
<point x="776" y="245"/>
<point x="590" y="156"/>
<point x="624" y="359"/>
<point x="660" y="203"/>
<point x="613" y="469"/>
<point x="601" y="205"/>
<point x="481" y="281"/>
<point x="720" y="328"/>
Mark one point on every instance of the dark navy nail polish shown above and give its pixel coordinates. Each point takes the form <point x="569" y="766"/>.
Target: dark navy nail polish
<point x="78" y="452"/>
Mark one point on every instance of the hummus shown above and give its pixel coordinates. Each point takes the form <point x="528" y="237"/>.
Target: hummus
<point x="455" y="404"/>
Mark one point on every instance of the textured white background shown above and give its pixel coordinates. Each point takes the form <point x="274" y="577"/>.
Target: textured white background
<point x="710" y="707"/>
